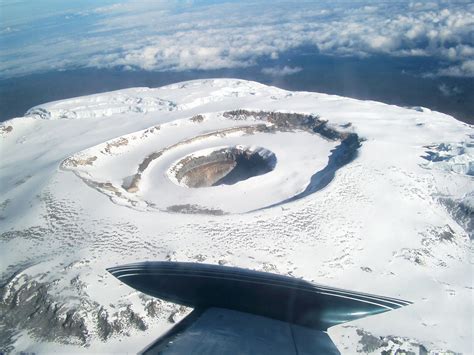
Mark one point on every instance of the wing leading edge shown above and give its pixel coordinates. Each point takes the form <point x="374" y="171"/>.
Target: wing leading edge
<point x="230" y="302"/>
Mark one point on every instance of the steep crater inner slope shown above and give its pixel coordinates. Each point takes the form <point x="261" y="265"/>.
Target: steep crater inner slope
<point x="225" y="166"/>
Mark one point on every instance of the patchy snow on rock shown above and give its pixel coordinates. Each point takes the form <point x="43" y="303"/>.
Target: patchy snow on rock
<point x="455" y="157"/>
<point x="361" y="195"/>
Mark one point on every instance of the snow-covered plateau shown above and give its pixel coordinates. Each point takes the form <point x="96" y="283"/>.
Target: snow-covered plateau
<point x="352" y="194"/>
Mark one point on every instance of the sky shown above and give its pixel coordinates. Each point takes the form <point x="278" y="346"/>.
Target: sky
<point x="51" y="35"/>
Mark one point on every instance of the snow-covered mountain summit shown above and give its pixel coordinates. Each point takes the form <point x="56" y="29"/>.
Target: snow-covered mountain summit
<point x="348" y="193"/>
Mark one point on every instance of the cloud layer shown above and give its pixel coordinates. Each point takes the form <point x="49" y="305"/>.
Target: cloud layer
<point x="159" y="35"/>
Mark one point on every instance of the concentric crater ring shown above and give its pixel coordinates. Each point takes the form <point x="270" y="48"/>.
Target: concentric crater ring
<point x="216" y="163"/>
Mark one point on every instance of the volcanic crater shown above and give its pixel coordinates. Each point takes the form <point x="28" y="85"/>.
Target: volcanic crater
<point x="223" y="166"/>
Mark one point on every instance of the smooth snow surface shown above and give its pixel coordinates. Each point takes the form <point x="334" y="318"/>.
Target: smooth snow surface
<point x="395" y="221"/>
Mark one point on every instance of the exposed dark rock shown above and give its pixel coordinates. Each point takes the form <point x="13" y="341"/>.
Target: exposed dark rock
<point x="40" y="112"/>
<point x="225" y="166"/>
<point x="110" y="146"/>
<point x="197" y="118"/>
<point x="369" y="342"/>
<point x="5" y="129"/>
<point x="26" y="304"/>
<point x="390" y="345"/>
<point x="290" y="121"/>
<point x="153" y="307"/>
<point x="447" y="234"/>
<point x="80" y="162"/>
<point x="104" y="328"/>
<point x="131" y="318"/>
<point x="194" y="209"/>
<point x="462" y="212"/>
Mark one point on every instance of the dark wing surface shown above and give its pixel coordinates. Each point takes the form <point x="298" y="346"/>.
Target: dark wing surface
<point x="260" y="310"/>
<point x="219" y="331"/>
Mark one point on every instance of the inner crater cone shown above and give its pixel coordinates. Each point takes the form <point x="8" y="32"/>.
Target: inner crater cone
<point x="225" y="166"/>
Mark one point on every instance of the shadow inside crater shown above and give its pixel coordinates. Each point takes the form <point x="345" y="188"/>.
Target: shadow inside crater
<point x="225" y="166"/>
<point x="247" y="165"/>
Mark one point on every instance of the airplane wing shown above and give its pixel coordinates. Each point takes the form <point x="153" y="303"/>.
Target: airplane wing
<point x="239" y="311"/>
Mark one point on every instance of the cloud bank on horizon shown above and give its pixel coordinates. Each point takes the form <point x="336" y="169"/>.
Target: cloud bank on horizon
<point x="178" y="36"/>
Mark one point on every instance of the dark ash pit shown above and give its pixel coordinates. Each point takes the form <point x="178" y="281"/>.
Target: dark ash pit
<point x="225" y="166"/>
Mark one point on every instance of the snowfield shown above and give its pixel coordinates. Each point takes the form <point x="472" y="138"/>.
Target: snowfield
<point x="359" y="195"/>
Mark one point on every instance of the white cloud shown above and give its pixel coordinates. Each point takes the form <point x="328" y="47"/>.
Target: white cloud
<point x="465" y="69"/>
<point x="448" y="90"/>
<point x="181" y="36"/>
<point x="278" y="71"/>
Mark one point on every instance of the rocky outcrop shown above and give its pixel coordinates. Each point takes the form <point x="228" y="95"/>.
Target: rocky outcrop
<point x="27" y="304"/>
<point x="194" y="209"/>
<point x="462" y="211"/>
<point x="289" y="121"/>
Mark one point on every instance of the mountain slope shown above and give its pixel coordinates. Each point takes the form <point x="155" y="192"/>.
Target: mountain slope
<point x="92" y="182"/>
